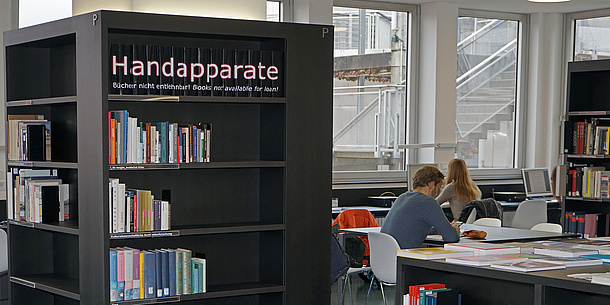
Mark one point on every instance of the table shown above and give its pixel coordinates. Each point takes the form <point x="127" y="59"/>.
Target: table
<point x="485" y="285"/>
<point x="494" y="234"/>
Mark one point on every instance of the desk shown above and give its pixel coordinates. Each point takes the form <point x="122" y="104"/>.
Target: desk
<point x="494" y="234"/>
<point x="485" y="285"/>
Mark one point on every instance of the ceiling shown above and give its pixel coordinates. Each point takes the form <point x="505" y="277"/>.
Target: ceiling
<point x="523" y="6"/>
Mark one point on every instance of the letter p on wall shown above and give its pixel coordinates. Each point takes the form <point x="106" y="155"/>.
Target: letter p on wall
<point x="196" y="74"/>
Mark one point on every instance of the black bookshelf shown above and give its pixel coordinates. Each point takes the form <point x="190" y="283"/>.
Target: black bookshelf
<point x="256" y="210"/>
<point x="588" y="100"/>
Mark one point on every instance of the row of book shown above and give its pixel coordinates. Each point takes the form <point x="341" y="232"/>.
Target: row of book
<point x="37" y="195"/>
<point x="524" y="257"/>
<point x="145" y="274"/>
<point x="588" y="225"/>
<point x="130" y="141"/>
<point x="135" y="210"/>
<point x="589" y="137"/>
<point x="432" y="294"/>
<point x="166" y="70"/>
<point x="585" y="180"/>
<point x="29" y="137"/>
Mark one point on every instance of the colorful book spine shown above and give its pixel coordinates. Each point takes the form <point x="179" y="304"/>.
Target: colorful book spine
<point x="136" y="274"/>
<point x="172" y="272"/>
<point x="186" y="271"/>
<point x="179" y="275"/>
<point x="150" y="278"/>
<point x="121" y="274"/>
<point x="142" y="281"/>
<point x="128" y="274"/>
<point x="114" y="285"/>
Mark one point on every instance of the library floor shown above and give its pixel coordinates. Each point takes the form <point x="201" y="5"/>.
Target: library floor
<point x="359" y="289"/>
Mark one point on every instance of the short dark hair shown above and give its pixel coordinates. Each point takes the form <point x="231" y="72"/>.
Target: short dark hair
<point x="427" y="174"/>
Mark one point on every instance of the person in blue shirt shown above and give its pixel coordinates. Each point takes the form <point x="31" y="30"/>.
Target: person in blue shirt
<point x="414" y="214"/>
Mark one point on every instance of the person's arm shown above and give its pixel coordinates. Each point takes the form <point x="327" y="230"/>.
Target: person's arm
<point x="446" y="194"/>
<point x="438" y="220"/>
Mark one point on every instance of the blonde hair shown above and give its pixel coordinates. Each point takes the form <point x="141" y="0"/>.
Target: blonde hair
<point x="465" y="189"/>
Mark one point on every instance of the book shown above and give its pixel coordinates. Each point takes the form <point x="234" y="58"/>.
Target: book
<point x="564" y="251"/>
<point x="120" y="264"/>
<point x="432" y="253"/>
<point x="114" y="285"/>
<point x="484" y="260"/>
<point x="528" y="266"/>
<point x="200" y="263"/>
<point x="159" y="272"/>
<point x="128" y="274"/>
<point x="483" y="248"/>
<point x="179" y="275"/>
<point x="150" y="277"/>
<point x="186" y="270"/>
<point x="414" y="291"/>
<point x="136" y="274"/>
<point x="573" y="261"/>
<point x="603" y="279"/>
<point x="604" y="257"/>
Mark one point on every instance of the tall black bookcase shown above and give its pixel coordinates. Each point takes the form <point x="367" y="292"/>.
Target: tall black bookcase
<point x="258" y="211"/>
<point x="588" y="101"/>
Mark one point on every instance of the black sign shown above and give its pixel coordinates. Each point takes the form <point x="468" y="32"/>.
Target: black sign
<point x="163" y="70"/>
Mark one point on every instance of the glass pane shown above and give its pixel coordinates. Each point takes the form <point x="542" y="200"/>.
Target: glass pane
<point x="273" y="11"/>
<point x="33" y="12"/>
<point x="369" y="89"/>
<point x="486" y="91"/>
<point x="592" y="39"/>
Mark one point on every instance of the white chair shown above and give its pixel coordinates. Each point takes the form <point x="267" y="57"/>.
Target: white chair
<point x="348" y="282"/>
<point x="383" y="261"/>
<point x="472" y="216"/>
<point x="490" y="222"/>
<point x="529" y="213"/>
<point x="548" y="227"/>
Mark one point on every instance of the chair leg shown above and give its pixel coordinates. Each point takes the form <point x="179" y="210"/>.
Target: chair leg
<point x="383" y="293"/>
<point x="369" y="292"/>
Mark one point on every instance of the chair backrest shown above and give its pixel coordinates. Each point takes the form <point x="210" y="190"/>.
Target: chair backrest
<point x="383" y="256"/>
<point x="472" y="216"/>
<point x="490" y="222"/>
<point x="548" y="227"/>
<point x="529" y="213"/>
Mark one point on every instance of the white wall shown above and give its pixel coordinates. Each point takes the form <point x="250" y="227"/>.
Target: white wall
<point x="546" y="90"/>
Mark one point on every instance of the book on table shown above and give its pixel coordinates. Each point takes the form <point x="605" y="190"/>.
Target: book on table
<point x="604" y="257"/>
<point x="573" y="261"/>
<point x="483" y="248"/>
<point x="528" y="266"/>
<point x="432" y="253"/>
<point x="602" y="278"/>
<point x="564" y="251"/>
<point x="484" y="260"/>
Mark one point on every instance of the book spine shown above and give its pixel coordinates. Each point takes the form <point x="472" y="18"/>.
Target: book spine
<point x="179" y="274"/>
<point x="121" y="274"/>
<point x="114" y="285"/>
<point x="159" y="273"/>
<point x="128" y="275"/>
<point x="150" y="277"/>
<point x="136" y="274"/>
<point x="172" y="272"/>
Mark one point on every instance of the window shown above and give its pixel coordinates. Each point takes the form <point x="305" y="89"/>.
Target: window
<point x="487" y="82"/>
<point x="592" y="39"/>
<point x="274" y="9"/>
<point x="33" y="12"/>
<point x="370" y="89"/>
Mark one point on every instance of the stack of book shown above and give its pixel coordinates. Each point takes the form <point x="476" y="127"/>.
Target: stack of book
<point x="29" y="138"/>
<point x="37" y="195"/>
<point x="130" y="141"/>
<point x="432" y="294"/>
<point x="144" y="274"/>
<point x="431" y="253"/>
<point x="483" y="248"/>
<point x="135" y="210"/>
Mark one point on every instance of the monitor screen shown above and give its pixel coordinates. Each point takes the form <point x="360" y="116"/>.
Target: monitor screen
<point x="536" y="182"/>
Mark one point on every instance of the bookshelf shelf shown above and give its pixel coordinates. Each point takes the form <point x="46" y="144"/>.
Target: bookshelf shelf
<point x="194" y="99"/>
<point x="52" y="283"/>
<point x="40" y="164"/>
<point x="66" y="227"/>
<point x="197" y="165"/>
<point x="42" y="101"/>
<point x="244" y="210"/>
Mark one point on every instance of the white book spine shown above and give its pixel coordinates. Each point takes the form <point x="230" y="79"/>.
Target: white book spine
<point x="121" y="196"/>
<point x="10" y="212"/>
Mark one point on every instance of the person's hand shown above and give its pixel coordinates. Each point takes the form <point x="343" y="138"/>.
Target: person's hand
<point x="456" y="226"/>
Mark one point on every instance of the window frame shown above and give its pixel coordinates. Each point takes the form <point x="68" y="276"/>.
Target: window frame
<point x="388" y="178"/>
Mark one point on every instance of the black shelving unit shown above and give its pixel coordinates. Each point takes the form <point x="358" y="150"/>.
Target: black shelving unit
<point x="588" y="98"/>
<point x="258" y="211"/>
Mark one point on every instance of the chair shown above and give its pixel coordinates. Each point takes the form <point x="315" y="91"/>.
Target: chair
<point x="472" y="217"/>
<point x="529" y="213"/>
<point x="383" y="261"/>
<point x="548" y="227"/>
<point x="490" y="222"/>
<point x="357" y="218"/>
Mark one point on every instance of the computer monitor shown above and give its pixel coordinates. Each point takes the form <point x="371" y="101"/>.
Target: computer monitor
<point x="412" y="168"/>
<point x="536" y="182"/>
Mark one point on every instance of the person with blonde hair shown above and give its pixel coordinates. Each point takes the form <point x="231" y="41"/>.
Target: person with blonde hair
<point x="460" y="189"/>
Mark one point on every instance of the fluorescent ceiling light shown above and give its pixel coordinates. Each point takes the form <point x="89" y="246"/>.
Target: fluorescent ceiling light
<point x="549" y="1"/>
